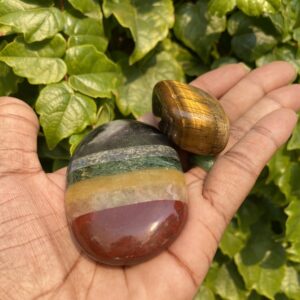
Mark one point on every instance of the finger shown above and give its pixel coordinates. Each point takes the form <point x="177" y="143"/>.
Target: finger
<point x="255" y="85"/>
<point x="216" y="82"/>
<point x="59" y="178"/>
<point x="198" y="242"/>
<point x="206" y="225"/>
<point x="235" y="172"/>
<point x="285" y="97"/>
<point x="18" y="137"/>
<point x="219" y="81"/>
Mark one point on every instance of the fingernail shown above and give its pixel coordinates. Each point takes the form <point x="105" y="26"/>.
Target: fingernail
<point x="247" y="68"/>
<point x="296" y="69"/>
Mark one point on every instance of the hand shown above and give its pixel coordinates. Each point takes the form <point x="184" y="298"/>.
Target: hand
<point x="38" y="259"/>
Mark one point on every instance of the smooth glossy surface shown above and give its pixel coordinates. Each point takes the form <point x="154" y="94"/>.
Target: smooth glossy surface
<point x="130" y="233"/>
<point x="126" y="198"/>
<point x="193" y="119"/>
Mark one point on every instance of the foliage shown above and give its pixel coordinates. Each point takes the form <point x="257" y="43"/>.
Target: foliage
<point x="81" y="63"/>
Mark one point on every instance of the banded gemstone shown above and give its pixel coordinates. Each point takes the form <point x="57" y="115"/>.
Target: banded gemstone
<point x="126" y="198"/>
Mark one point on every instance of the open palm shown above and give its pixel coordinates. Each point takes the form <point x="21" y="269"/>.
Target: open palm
<point x="38" y="259"/>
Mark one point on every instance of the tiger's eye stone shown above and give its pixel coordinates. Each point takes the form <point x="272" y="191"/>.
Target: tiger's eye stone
<point x="126" y="198"/>
<point x="193" y="119"/>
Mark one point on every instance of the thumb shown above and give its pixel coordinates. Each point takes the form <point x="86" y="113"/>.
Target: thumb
<point x="18" y="138"/>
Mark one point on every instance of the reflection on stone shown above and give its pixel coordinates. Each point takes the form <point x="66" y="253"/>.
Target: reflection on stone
<point x="126" y="235"/>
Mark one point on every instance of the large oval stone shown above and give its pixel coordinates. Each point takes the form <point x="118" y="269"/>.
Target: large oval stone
<point x="126" y="198"/>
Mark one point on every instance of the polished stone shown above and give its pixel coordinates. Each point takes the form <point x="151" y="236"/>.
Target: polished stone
<point x="190" y="117"/>
<point x="126" y="198"/>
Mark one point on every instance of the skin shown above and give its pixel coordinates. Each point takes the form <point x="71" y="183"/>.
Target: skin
<point x="38" y="259"/>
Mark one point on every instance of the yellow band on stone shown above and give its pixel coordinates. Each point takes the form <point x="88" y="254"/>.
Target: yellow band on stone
<point x="104" y="192"/>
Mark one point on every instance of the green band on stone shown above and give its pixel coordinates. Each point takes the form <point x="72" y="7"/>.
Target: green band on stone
<point x="121" y="154"/>
<point x="118" y="167"/>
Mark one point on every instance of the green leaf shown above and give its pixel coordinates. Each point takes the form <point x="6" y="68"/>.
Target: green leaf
<point x="229" y="284"/>
<point x="60" y="152"/>
<point x="8" y="80"/>
<point x="291" y="283"/>
<point x="293" y="228"/>
<point x="284" y="52"/>
<point x="191" y="64"/>
<point x="294" y="142"/>
<point x="36" y="24"/>
<point x="211" y="276"/>
<point x="196" y="29"/>
<point x="289" y="181"/>
<point x="262" y="262"/>
<point x="58" y="164"/>
<point x="287" y="18"/>
<point x="83" y="31"/>
<point x="135" y="96"/>
<point x="148" y="21"/>
<point x="232" y="241"/>
<point x="252" y="37"/>
<point x="278" y="166"/>
<point x="248" y="214"/>
<point x="92" y="73"/>
<point x="254" y="296"/>
<point x="296" y="36"/>
<point x="54" y="47"/>
<point x="38" y="62"/>
<point x="221" y="7"/>
<point x="225" y="60"/>
<point x="270" y="192"/>
<point x="258" y="7"/>
<point x="90" y="8"/>
<point x="204" y="293"/>
<point x="63" y="112"/>
<point x="75" y="139"/>
<point x="3" y="44"/>
<point x="27" y="92"/>
<point x="105" y="113"/>
<point x="7" y="7"/>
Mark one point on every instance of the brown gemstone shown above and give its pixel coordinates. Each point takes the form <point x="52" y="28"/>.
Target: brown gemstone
<point x="129" y="234"/>
<point x="193" y="119"/>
